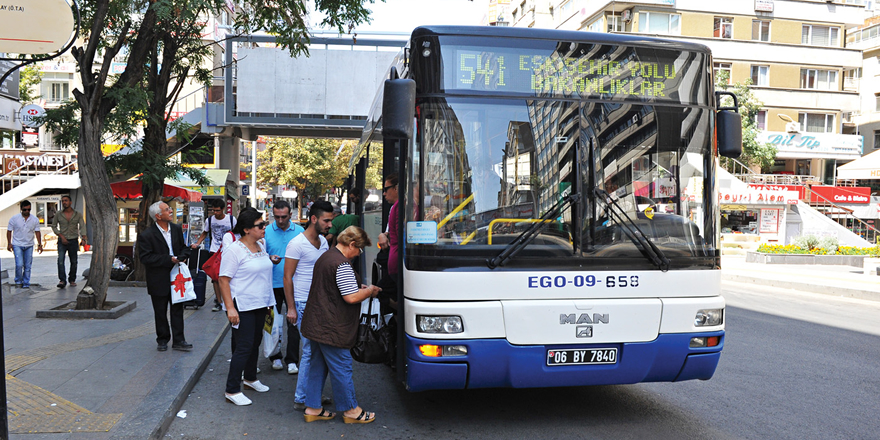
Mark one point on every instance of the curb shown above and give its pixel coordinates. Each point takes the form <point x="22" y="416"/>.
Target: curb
<point x="806" y="287"/>
<point x="166" y="420"/>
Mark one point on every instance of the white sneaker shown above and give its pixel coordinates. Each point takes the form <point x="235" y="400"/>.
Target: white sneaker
<point x="239" y="399"/>
<point x="256" y="386"/>
<point x="277" y="365"/>
<point x="292" y="369"/>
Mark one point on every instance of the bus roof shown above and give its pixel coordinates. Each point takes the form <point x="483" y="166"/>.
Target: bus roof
<point x="558" y="35"/>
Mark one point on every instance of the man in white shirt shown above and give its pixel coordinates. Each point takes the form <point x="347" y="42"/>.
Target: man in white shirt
<point x="300" y="257"/>
<point x="217" y="225"/>
<point x="20" y="241"/>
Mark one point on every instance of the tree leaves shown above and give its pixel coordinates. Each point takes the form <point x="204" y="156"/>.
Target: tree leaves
<point x="754" y="152"/>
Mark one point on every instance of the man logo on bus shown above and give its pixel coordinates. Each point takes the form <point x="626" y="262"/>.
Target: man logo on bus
<point x="584" y="318"/>
<point x="584" y="331"/>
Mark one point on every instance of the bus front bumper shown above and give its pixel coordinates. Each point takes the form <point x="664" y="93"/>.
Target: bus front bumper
<point x="495" y="363"/>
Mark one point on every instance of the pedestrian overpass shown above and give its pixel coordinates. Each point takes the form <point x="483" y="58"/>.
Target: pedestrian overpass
<point x="327" y="94"/>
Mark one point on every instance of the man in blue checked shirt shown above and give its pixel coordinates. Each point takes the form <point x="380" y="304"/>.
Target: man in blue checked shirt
<point x="278" y="234"/>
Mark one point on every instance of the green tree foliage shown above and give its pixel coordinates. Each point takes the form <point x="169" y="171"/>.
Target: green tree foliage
<point x="30" y="76"/>
<point x="312" y="166"/>
<point x="754" y="153"/>
<point x="161" y="41"/>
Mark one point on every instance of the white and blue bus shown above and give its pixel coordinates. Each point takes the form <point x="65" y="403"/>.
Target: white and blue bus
<point x="560" y="221"/>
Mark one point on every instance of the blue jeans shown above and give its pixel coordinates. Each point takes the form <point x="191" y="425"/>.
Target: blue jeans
<point x="70" y="249"/>
<point x="300" y="395"/>
<point x="337" y="362"/>
<point x="24" y="258"/>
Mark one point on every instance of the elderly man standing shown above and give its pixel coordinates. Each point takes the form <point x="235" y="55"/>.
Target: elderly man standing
<point x="68" y="226"/>
<point x="160" y="247"/>
<point x="20" y="238"/>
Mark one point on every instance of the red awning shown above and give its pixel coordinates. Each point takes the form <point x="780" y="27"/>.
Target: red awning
<point x="131" y="189"/>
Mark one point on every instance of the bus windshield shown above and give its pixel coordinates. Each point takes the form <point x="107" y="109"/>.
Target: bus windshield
<point x="485" y="170"/>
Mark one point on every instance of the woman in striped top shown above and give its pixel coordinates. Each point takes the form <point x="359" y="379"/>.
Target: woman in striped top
<point x="330" y="326"/>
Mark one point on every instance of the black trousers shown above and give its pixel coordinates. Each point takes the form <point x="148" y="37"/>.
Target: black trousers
<point x="160" y="313"/>
<point x="247" y="338"/>
<point x="291" y="355"/>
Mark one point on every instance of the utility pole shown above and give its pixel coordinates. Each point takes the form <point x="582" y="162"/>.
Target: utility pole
<point x="254" y="174"/>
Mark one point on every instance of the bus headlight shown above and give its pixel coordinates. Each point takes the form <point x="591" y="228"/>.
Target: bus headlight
<point x="439" y="324"/>
<point x="709" y="317"/>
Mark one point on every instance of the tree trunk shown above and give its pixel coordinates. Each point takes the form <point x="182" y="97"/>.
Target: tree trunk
<point x="100" y="206"/>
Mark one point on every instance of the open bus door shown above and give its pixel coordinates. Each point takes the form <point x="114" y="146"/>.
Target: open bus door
<point x="398" y="120"/>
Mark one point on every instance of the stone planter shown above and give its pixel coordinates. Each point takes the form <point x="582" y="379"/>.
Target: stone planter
<point x="828" y="260"/>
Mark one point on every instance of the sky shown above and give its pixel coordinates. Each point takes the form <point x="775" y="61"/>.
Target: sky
<point x="406" y="15"/>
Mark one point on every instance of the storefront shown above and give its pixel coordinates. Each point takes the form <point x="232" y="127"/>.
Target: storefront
<point x="812" y="154"/>
<point x="757" y="211"/>
<point x="128" y="198"/>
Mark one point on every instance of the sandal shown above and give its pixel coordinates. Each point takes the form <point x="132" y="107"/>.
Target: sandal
<point x="364" y="417"/>
<point x="323" y="415"/>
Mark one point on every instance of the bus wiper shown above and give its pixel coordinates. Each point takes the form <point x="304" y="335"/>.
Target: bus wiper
<point x="632" y="230"/>
<point x="529" y="234"/>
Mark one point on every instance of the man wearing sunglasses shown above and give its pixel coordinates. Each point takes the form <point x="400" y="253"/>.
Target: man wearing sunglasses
<point x="278" y="234"/>
<point x="20" y="241"/>
<point x="217" y="225"/>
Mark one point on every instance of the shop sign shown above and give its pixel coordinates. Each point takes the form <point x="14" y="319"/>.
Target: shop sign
<point x="39" y="161"/>
<point x="208" y="191"/>
<point x="8" y="114"/>
<point x="769" y="221"/>
<point x="841" y="194"/>
<point x="802" y="191"/>
<point x="806" y="145"/>
<point x="30" y="138"/>
<point x="734" y="208"/>
<point x="764" y="5"/>
<point x="758" y="197"/>
<point x="58" y="67"/>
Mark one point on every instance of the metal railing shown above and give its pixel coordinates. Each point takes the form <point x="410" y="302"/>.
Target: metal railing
<point x="40" y="166"/>
<point x="187" y="103"/>
<point x="779" y="179"/>
<point x="843" y="216"/>
<point x="738" y="168"/>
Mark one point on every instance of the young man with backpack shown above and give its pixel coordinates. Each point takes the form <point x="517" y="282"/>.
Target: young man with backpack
<point x="217" y="225"/>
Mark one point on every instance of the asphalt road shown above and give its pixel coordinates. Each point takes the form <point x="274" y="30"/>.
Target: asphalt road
<point x="795" y="366"/>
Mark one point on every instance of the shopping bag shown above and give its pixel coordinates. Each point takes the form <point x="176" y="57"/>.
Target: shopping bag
<point x="182" y="288"/>
<point x="373" y="345"/>
<point x="272" y="328"/>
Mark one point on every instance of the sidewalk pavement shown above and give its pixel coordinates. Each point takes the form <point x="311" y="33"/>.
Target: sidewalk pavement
<point x="96" y="378"/>
<point x="842" y="281"/>
<point x="104" y="379"/>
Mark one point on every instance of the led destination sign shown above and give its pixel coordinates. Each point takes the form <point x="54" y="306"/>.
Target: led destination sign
<point x="625" y="74"/>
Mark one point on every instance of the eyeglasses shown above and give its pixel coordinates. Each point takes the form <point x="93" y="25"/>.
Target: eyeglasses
<point x="388" y="187"/>
<point x="260" y="225"/>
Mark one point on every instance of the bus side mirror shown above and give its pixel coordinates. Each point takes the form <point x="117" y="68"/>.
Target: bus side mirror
<point x="728" y="128"/>
<point x="398" y="108"/>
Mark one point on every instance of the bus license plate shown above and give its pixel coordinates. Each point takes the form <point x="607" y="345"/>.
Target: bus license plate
<point x="582" y="357"/>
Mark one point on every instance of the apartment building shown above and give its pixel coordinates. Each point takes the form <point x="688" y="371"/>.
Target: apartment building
<point x="793" y="51"/>
<point x="867" y="80"/>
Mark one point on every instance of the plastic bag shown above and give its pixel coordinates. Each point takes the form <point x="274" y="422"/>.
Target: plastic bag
<point x="182" y="288"/>
<point x="272" y="328"/>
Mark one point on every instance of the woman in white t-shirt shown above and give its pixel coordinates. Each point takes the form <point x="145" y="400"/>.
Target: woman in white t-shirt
<point x="246" y="286"/>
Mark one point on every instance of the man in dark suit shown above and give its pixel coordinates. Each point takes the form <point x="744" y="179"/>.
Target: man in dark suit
<point x="160" y="247"/>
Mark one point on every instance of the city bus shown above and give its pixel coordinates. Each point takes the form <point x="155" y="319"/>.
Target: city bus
<point x="559" y="219"/>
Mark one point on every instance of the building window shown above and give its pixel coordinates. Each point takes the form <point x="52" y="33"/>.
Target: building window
<point x="615" y="23"/>
<point x="816" y="122"/>
<point x="761" y="75"/>
<point x="877" y="103"/>
<point x="659" y="23"/>
<point x="819" y="35"/>
<point x="717" y="68"/>
<point x="761" y="119"/>
<point x="596" y="26"/>
<point x="761" y="30"/>
<point x="723" y="27"/>
<point x="59" y="92"/>
<point x="818" y="79"/>
<point x="876" y="140"/>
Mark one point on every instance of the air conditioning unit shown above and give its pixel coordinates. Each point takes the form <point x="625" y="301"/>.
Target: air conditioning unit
<point x="626" y="15"/>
